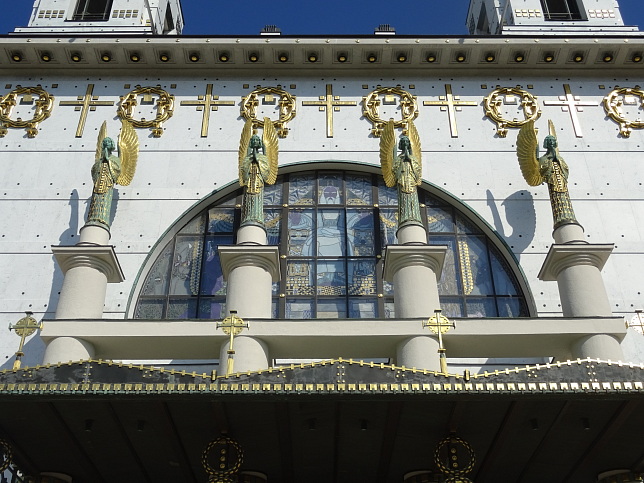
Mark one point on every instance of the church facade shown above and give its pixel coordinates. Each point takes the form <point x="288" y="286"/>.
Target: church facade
<point x="380" y="258"/>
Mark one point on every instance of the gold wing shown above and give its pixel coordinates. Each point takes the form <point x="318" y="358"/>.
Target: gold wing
<point x="527" y="150"/>
<point x="244" y="141"/>
<point x="417" y="161"/>
<point x="387" y="153"/>
<point x="271" y="145"/>
<point x="102" y="134"/>
<point x="128" y="153"/>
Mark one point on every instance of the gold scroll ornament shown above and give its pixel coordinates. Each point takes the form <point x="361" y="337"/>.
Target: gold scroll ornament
<point x="613" y="103"/>
<point x="286" y="107"/>
<point x="371" y="104"/>
<point x="44" y="105"/>
<point x="165" y="108"/>
<point x="493" y="102"/>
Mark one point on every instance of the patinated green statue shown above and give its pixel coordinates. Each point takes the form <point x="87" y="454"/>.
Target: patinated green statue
<point x="403" y="170"/>
<point x="109" y="170"/>
<point x="257" y="166"/>
<point x="549" y="168"/>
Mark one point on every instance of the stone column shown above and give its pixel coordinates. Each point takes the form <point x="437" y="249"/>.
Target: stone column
<point x="414" y="268"/>
<point x="88" y="267"/>
<point x="576" y="266"/>
<point x="250" y="268"/>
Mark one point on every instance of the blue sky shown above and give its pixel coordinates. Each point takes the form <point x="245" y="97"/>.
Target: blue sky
<point x="331" y="17"/>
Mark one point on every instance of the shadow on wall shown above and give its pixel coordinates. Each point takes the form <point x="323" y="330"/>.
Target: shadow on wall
<point x="520" y="215"/>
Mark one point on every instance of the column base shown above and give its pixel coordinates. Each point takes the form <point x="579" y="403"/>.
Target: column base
<point x="251" y="354"/>
<point x="65" y="349"/>
<point x="420" y="352"/>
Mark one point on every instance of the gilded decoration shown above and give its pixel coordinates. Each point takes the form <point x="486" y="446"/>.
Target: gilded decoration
<point x="229" y="456"/>
<point x="614" y="102"/>
<point x="7" y="455"/>
<point x="371" y="104"/>
<point x="446" y="457"/>
<point x="329" y="103"/>
<point x="451" y="104"/>
<point x="286" y="107"/>
<point x="165" y="108"/>
<point x="572" y="104"/>
<point x="43" y="107"/>
<point x="510" y="95"/>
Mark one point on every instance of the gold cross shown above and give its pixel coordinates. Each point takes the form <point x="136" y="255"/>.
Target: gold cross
<point x="206" y="104"/>
<point x="451" y="104"/>
<point x="439" y="324"/>
<point x="83" y="104"/>
<point x="232" y="326"/>
<point x="329" y="103"/>
<point x="572" y="104"/>
<point x="24" y="328"/>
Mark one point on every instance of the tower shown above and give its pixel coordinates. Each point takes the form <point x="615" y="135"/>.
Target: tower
<point x="123" y="17"/>
<point x="520" y="17"/>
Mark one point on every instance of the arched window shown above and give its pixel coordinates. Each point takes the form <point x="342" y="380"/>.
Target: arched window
<point x="331" y="227"/>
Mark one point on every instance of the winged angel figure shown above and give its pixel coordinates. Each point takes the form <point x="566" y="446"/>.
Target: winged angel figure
<point x="403" y="170"/>
<point x="549" y="168"/>
<point x="257" y="167"/>
<point x="109" y="170"/>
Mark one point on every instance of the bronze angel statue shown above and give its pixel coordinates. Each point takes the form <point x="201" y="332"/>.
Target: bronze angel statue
<point x="257" y="167"/>
<point x="109" y="170"/>
<point x="549" y="168"/>
<point x="403" y="170"/>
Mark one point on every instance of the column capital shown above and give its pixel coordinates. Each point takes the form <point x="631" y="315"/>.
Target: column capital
<point x="401" y="256"/>
<point x="102" y="258"/>
<point x="266" y="257"/>
<point x="565" y="256"/>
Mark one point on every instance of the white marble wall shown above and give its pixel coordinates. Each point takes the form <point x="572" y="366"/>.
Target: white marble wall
<point x="46" y="183"/>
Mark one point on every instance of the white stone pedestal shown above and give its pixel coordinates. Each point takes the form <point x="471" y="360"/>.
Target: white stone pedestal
<point x="88" y="267"/>
<point x="250" y="271"/>
<point x="414" y="271"/>
<point x="576" y="266"/>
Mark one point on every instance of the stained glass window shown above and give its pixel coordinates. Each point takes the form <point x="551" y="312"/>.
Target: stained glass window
<point x="332" y="227"/>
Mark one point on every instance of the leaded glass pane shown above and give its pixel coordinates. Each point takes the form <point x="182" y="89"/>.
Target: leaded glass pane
<point x="359" y="190"/>
<point x="182" y="309"/>
<point x="387" y="196"/>
<point x="331" y="278"/>
<point x="481" y="307"/>
<point x="362" y="308"/>
<point x="149" y="309"/>
<point x="387" y="288"/>
<point x="186" y="266"/>
<point x="360" y="232"/>
<point x="212" y="308"/>
<point x="299" y="309"/>
<point x="450" y="282"/>
<point x="452" y="306"/>
<point x="390" y="311"/>
<point x="362" y="277"/>
<point x="466" y="226"/>
<point x="273" y="224"/>
<point x="388" y="226"/>
<point x="332" y="309"/>
<point x="439" y="220"/>
<point x="221" y="220"/>
<point x="504" y="281"/>
<point x="157" y="281"/>
<point x="212" y="277"/>
<point x="475" y="266"/>
<point x="330" y="189"/>
<point x="194" y="227"/>
<point x="299" y="278"/>
<point x="301" y="188"/>
<point x="300" y="233"/>
<point x="273" y="194"/>
<point x="331" y="233"/>
<point x="512" y="307"/>
<point x="275" y="309"/>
